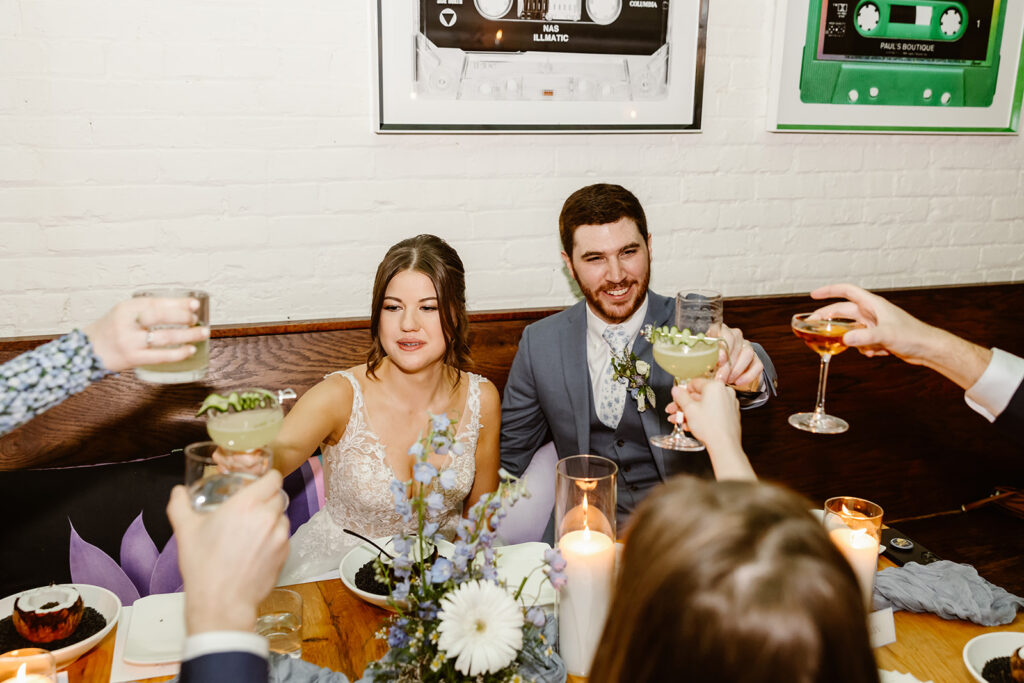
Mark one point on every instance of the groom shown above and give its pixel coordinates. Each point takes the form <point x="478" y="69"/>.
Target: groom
<point x="561" y="386"/>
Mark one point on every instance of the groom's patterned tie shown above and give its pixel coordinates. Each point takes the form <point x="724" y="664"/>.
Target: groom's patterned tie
<point x="613" y="393"/>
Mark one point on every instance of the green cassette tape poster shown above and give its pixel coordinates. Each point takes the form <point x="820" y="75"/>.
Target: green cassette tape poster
<point x="899" y="65"/>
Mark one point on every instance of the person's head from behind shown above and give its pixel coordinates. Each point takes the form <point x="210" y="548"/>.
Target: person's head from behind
<point x="606" y="247"/>
<point x="733" y="582"/>
<point x="418" y="314"/>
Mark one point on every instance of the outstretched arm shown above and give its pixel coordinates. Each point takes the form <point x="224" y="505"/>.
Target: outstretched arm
<point x="713" y="415"/>
<point x="320" y="416"/>
<point x="891" y="330"/>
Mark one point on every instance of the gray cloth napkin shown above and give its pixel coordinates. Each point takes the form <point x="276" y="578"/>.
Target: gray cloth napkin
<point x="948" y="589"/>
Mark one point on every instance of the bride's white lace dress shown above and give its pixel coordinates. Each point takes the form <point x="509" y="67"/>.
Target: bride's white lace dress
<point x="357" y="495"/>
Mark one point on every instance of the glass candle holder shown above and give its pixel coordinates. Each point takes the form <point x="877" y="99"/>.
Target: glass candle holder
<point x="28" y="665"/>
<point x="855" y="526"/>
<point x="585" y="528"/>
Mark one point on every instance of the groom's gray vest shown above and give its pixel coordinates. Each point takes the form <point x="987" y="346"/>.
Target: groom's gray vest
<point x="627" y="446"/>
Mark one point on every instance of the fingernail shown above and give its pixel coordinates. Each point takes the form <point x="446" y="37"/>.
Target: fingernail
<point x="206" y="332"/>
<point x="193" y="304"/>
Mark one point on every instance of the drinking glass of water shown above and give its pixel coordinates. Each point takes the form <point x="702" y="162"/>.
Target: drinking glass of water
<point x="212" y="474"/>
<point x="279" y="620"/>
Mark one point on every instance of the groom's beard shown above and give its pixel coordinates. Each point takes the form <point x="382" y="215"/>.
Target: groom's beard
<point x="617" y="312"/>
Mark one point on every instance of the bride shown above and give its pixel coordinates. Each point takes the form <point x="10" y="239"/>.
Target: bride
<point x="367" y="417"/>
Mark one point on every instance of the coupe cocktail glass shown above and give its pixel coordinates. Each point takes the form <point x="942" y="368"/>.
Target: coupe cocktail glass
<point x="245" y="419"/>
<point x="825" y="337"/>
<point x="688" y="350"/>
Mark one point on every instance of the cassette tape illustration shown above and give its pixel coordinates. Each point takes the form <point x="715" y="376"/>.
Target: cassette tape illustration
<point x="554" y="50"/>
<point x="942" y="53"/>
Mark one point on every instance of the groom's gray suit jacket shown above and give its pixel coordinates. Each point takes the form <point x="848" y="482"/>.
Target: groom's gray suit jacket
<point x="548" y="397"/>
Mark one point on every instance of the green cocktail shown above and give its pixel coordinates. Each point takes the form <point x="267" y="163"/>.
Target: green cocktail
<point x="685" y="362"/>
<point x="243" y="420"/>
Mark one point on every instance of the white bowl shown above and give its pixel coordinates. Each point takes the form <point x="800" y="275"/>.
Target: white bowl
<point x="100" y="599"/>
<point x="981" y="649"/>
<point x="514" y="563"/>
<point x="363" y="553"/>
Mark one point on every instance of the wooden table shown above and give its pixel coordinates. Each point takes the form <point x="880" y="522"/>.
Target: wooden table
<point x="338" y="633"/>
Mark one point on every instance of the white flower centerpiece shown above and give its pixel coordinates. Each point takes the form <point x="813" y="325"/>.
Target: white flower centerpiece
<point x="454" y="620"/>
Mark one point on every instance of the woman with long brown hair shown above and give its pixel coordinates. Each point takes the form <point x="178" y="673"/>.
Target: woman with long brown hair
<point x="366" y="418"/>
<point x="731" y="581"/>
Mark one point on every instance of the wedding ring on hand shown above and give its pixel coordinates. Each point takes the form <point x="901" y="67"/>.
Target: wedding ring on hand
<point x="149" y="339"/>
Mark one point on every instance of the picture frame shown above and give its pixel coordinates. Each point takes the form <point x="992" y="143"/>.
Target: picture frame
<point x="472" y="66"/>
<point x="908" y="66"/>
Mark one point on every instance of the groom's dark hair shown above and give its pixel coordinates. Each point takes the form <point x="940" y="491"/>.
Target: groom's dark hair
<point x="436" y="259"/>
<point x="598" y="205"/>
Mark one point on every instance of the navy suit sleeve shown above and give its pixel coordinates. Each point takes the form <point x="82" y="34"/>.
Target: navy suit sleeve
<point x="224" y="666"/>
<point x="524" y="428"/>
<point x="1011" y="420"/>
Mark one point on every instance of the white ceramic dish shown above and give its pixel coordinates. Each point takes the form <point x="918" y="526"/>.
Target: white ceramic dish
<point x="365" y="552"/>
<point x="156" y="630"/>
<point x="514" y="562"/>
<point x="100" y="599"/>
<point x="980" y="649"/>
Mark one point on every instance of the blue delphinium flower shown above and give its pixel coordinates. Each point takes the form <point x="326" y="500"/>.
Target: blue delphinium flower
<point x="439" y="423"/>
<point x="435" y="503"/>
<point x="401" y="590"/>
<point x="536" y="616"/>
<point x="448" y="476"/>
<point x="397" y="637"/>
<point x="424" y="472"/>
<point x="397" y="491"/>
<point x="401" y="544"/>
<point x="416" y="450"/>
<point x="404" y="508"/>
<point x="553" y="558"/>
<point x="441" y="443"/>
<point x="441" y="571"/>
<point x="458" y="448"/>
<point x="429" y="529"/>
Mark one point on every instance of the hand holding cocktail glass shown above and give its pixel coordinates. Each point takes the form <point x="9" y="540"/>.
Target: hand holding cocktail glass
<point x="688" y="350"/>
<point x="150" y="331"/>
<point x="242" y="426"/>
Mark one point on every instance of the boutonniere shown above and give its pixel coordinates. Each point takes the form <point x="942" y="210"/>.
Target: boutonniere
<point x="634" y="373"/>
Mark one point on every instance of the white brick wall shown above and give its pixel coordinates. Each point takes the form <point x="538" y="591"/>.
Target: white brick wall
<point x="228" y="143"/>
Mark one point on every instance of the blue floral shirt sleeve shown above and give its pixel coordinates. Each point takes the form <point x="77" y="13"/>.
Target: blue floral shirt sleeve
<point x="41" y="378"/>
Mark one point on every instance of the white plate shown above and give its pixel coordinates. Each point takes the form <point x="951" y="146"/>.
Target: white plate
<point x="156" y="632"/>
<point x="514" y="562"/>
<point x="100" y="599"/>
<point x="518" y="561"/>
<point x="988" y="646"/>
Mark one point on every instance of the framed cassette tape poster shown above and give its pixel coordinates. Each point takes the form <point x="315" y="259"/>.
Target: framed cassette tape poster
<point x="540" y="65"/>
<point x="897" y="65"/>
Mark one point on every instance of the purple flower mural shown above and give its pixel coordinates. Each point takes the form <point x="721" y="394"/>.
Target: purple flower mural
<point x="143" y="570"/>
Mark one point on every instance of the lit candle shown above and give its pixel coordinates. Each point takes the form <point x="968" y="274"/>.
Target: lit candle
<point x="584" y="601"/>
<point x="23" y="677"/>
<point x="861" y="550"/>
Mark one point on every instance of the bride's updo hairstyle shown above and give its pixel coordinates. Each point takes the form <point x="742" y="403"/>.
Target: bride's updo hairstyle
<point x="436" y="259"/>
<point x="732" y="582"/>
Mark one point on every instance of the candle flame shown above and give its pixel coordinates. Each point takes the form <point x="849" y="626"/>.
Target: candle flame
<point x="21" y="672"/>
<point x="846" y="510"/>
<point x="586" y="523"/>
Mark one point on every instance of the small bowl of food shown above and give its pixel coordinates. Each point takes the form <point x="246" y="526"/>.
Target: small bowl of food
<point x="990" y="656"/>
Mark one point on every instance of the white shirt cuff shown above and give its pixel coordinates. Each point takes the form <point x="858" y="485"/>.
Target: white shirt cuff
<point x="990" y="395"/>
<point x="212" y="642"/>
